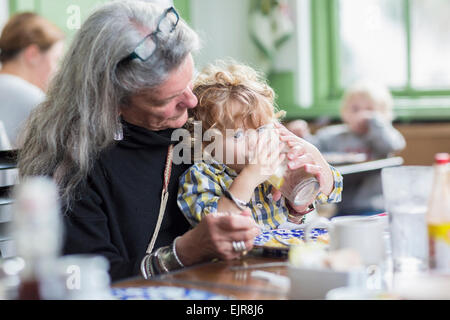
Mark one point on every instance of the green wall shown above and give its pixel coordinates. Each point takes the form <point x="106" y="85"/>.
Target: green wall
<point x="64" y="12"/>
<point x="184" y="8"/>
<point x="326" y="97"/>
<point x="61" y="12"/>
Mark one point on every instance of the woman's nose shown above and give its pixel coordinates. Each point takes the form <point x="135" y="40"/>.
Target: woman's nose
<point x="190" y="99"/>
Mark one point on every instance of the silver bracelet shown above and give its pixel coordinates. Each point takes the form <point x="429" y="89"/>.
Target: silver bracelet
<point x="174" y="250"/>
<point x="238" y="202"/>
<point x="161" y="260"/>
<point x="146" y="268"/>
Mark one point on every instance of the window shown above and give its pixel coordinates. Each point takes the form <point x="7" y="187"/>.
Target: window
<point x="402" y="43"/>
<point x="430" y="44"/>
<point x="372" y="42"/>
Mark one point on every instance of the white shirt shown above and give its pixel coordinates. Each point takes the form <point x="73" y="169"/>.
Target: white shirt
<point x="17" y="98"/>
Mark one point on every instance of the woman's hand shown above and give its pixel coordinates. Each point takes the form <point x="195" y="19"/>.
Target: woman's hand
<point x="303" y="154"/>
<point x="213" y="238"/>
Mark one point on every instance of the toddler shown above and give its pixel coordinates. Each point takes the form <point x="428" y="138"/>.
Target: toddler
<point x="367" y="114"/>
<point x="235" y="101"/>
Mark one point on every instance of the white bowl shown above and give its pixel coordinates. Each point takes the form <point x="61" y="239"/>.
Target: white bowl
<point x="311" y="284"/>
<point x="431" y="286"/>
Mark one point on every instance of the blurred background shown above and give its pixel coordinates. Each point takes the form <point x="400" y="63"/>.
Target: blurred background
<point x="311" y="50"/>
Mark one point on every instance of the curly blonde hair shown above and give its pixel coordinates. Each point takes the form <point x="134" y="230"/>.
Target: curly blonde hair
<point x="231" y="96"/>
<point x="377" y="93"/>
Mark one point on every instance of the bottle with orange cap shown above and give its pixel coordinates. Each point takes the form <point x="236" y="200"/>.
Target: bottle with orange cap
<point x="438" y="214"/>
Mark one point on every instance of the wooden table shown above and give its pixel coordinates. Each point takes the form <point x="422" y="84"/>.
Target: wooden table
<point x="232" y="279"/>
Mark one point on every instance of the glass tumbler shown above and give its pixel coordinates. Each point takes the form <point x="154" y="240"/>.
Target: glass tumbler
<point x="298" y="186"/>
<point x="85" y="277"/>
<point x="406" y="191"/>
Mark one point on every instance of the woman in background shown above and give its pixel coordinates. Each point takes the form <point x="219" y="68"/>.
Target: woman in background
<point x="30" y="48"/>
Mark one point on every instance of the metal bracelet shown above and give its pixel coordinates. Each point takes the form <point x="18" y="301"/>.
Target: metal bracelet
<point x="166" y="260"/>
<point x="291" y="210"/>
<point x="296" y="219"/>
<point x="146" y="267"/>
<point x="163" y="260"/>
<point x="238" y="202"/>
<point x="174" y="251"/>
<point x="159" y="259"/>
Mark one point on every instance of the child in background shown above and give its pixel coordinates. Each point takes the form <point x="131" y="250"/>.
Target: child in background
<point x="367" y="115"/>
<point x="235" y="98"/>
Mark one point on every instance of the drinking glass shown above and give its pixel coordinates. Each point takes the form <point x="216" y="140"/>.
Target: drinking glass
<point x="406" y="190"/>
<point x="298" y="186"/>
<point x="85" y="277"/>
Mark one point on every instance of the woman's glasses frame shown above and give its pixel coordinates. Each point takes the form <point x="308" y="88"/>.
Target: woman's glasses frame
<point x="153" y="36"/>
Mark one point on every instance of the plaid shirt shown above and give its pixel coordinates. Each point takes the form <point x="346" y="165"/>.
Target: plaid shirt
<point x="202" y="185"/>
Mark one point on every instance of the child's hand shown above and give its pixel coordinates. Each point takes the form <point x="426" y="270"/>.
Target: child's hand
<point x="264" y="158"/>
<point x="304" y="154"/>
<point x="299" y="127"/>
<point x="362" y="121"/>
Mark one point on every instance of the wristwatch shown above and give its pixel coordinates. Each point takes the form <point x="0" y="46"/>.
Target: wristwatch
<point x="298" y="217"/>
<point x="239" y="203"/>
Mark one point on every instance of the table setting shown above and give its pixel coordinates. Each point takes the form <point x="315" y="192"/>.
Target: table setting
<point x="378" y="257"/>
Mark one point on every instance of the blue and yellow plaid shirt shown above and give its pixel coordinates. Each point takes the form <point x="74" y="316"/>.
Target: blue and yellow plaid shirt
<point x="203" y="184"/>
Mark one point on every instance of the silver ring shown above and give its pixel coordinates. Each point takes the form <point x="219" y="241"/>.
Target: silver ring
<point x="239" y="246"/>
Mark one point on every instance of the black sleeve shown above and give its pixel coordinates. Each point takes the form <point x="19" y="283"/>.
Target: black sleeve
<point x="88" y="230"/>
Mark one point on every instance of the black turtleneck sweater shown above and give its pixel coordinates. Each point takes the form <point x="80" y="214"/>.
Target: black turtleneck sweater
<point x="119" y="205"/>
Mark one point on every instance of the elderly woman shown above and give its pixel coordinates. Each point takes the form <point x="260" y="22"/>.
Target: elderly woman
<point x="104" y="135"/>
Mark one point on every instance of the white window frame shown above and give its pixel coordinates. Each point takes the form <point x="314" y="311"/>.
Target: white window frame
<point x="4" y="12"/>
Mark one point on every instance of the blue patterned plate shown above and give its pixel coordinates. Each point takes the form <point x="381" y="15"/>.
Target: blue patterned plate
<point x="164" y="293"/>
<point x="267" y="241"/>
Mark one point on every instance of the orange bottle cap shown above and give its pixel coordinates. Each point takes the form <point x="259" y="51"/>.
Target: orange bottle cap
<point x="442" y="158"/>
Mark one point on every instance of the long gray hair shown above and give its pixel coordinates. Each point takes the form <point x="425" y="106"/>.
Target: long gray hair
<point x="80" y="117"/>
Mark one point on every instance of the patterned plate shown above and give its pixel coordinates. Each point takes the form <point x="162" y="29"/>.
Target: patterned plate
<point x="164" y="293"/>
<point x="266" y="239"/>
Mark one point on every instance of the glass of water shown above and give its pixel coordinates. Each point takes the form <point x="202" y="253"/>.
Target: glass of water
<point x="406" y="191"/>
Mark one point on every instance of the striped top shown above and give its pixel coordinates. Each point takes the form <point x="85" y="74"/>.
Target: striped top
<point x="203" y="184"/>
